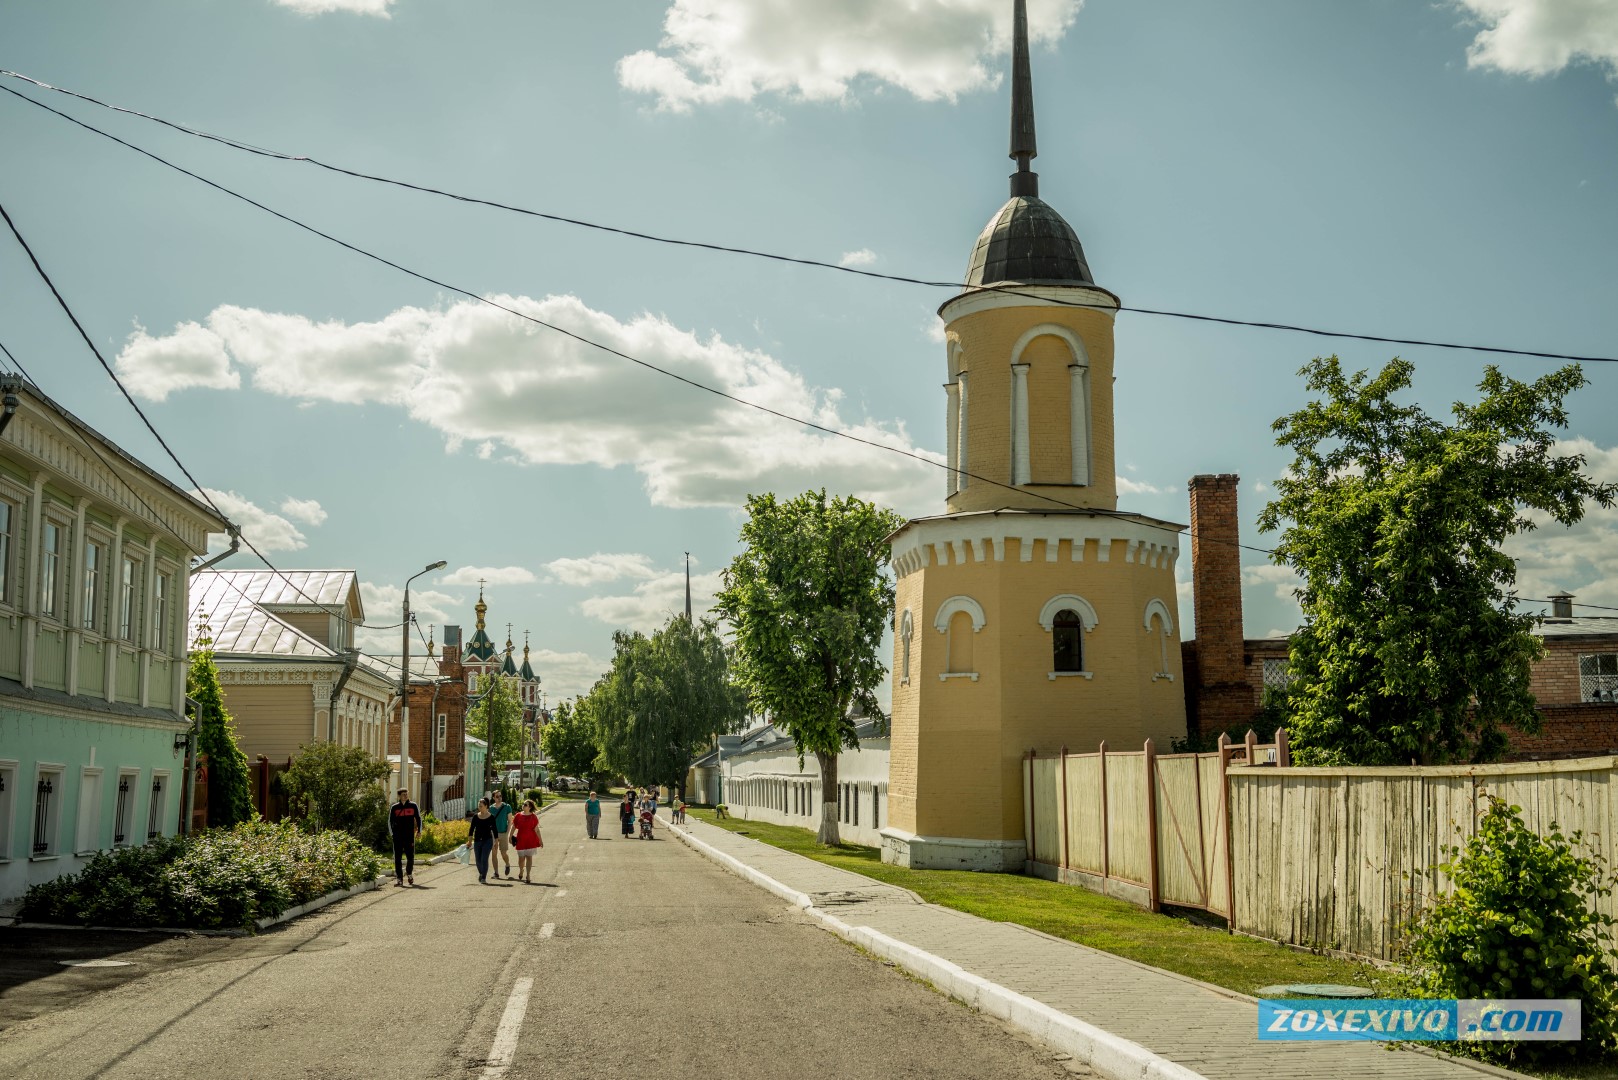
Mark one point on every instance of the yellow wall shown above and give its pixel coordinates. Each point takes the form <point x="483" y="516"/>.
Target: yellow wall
<point x="958" y="743"/>
<point x="981" y="344"/>
<point x="273" y="720"/>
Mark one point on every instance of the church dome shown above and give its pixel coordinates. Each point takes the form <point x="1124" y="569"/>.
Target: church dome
<point x="1027" y="241"/>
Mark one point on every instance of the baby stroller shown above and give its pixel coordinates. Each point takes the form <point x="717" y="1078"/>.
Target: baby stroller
<point x="645" y="824"/>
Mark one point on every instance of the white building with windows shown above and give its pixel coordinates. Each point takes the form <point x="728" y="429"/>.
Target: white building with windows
<point x="95" y="550"/>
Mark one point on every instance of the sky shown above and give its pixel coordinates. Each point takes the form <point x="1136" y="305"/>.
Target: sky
<point x="1443" y="170"/>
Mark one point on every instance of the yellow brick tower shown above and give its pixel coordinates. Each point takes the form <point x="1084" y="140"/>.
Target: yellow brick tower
<point x="1033" y="614"/>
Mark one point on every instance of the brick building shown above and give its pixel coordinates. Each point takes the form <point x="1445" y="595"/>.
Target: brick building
<point x="438" y="704"/>
<point x="1226" y="674"/>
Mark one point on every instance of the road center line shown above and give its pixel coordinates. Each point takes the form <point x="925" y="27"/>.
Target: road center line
<point x="504" y="1048"/>
<point x="547" y="930"/>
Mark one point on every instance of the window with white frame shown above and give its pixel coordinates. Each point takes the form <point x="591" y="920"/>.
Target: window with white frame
<point x="50" y="568"/>
<point x="8" y="520"/>
<point x="1067" y="641"/>
<point x="123" y="808"/>
<point x="1598" y="677"/>
<point x="126" y="599"/>
<point x="87" y="827"/>
<point x="158" y="806"/>
<point x="1277" y="673"/>
<point x="8" y="799"/>
<point x="94" y="557"/>
<point x="442" y="740"/>
<point x="160" y="613"/>
<point x="48" y="793"/>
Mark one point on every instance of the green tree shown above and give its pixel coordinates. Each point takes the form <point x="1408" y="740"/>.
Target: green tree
<point x="230" y="799"/>
<point x="497" y="718"/>
<point x="663" y="701"/>
<point x="1412" y="649"/>
<point x="809" y="599"/>
<point x="338" y="787"/>
<point x="569" y="744"/>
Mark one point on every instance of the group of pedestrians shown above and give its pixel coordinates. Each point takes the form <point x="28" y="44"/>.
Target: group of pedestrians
<point x="495" y="831"/>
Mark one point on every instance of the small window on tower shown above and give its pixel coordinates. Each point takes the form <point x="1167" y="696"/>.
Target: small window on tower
<point x="1067" y="641"/>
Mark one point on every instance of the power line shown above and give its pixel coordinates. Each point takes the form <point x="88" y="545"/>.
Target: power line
<point x="469" y="294"/>
<point x="634" y="234"/>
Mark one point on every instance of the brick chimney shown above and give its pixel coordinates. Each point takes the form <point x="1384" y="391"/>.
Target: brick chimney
<point x="1220" y="695"/>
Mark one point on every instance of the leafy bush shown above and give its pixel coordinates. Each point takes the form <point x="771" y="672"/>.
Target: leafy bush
<point x="214" y="880"/>
<point x="1520" y="923"/>
<point x="340" y="787"/>
<point x="437" y="837"/>
<point x="537" y="794"/>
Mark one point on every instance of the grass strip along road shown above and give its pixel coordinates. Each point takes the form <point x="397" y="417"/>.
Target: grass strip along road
<point x="1075" y="914"/>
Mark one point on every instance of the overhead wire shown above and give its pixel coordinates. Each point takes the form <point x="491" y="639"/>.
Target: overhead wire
<point x="636" y="234"/>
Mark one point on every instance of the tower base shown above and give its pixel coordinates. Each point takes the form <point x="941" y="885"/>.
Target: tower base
<point x="901" y="848"/>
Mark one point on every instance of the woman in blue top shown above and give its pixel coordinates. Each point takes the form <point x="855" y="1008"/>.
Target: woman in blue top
<point x="592" y="815"/>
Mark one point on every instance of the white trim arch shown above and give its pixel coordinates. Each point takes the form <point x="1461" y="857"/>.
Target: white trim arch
<point x="959" y="603"/>
<point x="1074" y="344"/>
<point x="1155" y="606"/>
<point x="1068" y="602"/>
<point x="907" y="634"/>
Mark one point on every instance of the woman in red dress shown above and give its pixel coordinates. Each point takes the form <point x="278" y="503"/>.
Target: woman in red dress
<point x="526" y="839"/>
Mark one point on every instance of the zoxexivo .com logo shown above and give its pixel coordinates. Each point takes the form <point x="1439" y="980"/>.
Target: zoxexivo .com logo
<point x="1435" y="1020"/>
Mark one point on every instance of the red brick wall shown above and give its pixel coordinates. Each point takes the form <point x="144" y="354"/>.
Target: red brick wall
<point x="424" y="710"/>
<point x="1221" y="692"/>
<point x="1574" y="730"/>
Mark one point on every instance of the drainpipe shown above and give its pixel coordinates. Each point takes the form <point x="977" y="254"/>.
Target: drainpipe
<point x="187" y="793"/>
<point x="351" y="660"/>
<point x="235" y="532"/>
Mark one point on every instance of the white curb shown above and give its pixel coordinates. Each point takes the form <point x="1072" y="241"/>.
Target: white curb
<point x="1110" y="1055"/>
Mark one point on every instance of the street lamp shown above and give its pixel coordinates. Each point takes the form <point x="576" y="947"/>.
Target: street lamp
<point x="404" y="681"/>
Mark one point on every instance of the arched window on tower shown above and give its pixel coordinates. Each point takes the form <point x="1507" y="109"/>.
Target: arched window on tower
<point x="1067" y="641"/>
<point x="907" y="634"/>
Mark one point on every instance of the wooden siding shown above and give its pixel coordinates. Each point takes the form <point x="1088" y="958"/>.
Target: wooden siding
<point x="273" y="720"/>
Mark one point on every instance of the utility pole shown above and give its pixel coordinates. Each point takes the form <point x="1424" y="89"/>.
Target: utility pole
<point x="404" y="682"/>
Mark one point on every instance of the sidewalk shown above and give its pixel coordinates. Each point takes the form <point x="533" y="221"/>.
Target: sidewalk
<point x="1124" y="1018"/>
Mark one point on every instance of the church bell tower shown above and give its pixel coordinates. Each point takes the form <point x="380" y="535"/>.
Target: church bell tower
<point x="1033" y="613"/>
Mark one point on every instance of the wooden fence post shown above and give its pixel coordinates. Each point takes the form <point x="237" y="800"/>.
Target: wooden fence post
<point x="1225" y="820"/>
<point x="1283" y="749"/>
<point x="1061" y="807"/>
<point x="1150" y="758"/>
<point x="1033" y="851"/>
<point x="1106" y="863"/>
<point x="1251" y="743"/>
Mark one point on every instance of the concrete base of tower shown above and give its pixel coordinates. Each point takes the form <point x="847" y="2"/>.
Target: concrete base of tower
<point x="901" y="848"/>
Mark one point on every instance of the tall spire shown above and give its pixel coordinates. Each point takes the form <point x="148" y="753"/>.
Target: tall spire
<point x="688" y="586"/>
<point x="1024" y="147"/>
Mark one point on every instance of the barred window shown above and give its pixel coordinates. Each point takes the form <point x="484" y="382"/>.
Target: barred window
<point x="1598" y="677"/>
<point x="1277" y="673"/>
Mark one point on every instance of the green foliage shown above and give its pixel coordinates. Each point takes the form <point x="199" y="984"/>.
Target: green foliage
<point x="230" y="798"/>
<point x="664" y="700"/>
<point x="1412" y="648"/>
<point x="809" y="599"/>
<point x="437" y="837"/>
<point x="497" y="718"/>
<point x="1521" y="923"/>
<point x="569" y="742"/>
<point x="219" y="879"/>
<point x="339" y="787"/>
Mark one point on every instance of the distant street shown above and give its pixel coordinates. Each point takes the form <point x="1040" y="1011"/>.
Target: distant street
<point x="634" y="956"/>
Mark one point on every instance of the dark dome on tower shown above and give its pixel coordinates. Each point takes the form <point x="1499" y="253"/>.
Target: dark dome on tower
<point x="1027" y="241"/>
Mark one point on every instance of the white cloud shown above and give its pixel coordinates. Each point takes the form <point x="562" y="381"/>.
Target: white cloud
<point x="564" y="675"/>
<point x="862" y="257"/>
<point x="1283" y="578"/>
<point x="267" y="530"/>
<point x="653" y="601"/>
<point x="598" y="569"/>
<point x="191" y="356"/>
<point x="378" y="8"/>
<point x="1126" y="486"/>
<point x="736" y="50"/>
<point x="1542" y="37"/>
<point x="308" y="511"/>
<point x="383" y="605"/>
<point x="480" y="375"/>
<point x="1582" y="560"/>
<point x="492" y="575"/>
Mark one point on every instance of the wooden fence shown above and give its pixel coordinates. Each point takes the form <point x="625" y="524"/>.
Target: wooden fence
<point x="1329" y="858"/>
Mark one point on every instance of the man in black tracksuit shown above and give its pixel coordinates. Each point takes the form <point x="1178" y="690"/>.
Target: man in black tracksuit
<point x="404" y="822"/>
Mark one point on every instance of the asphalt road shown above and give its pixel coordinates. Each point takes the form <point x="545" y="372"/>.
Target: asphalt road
<point x="632" y="956"/>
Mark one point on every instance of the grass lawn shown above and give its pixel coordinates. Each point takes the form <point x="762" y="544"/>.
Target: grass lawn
<point x="1067" y="911"/>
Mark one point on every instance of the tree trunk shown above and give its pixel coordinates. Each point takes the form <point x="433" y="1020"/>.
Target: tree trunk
<point x="827" y="833"/>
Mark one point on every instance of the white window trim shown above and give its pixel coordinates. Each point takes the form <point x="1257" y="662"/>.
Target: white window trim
<point x="60" y="599"/>
<point x="959" y="603"/>
<point x="1156" y="608"/>
<point x="8" y="807"/>
<point x="133" y="776"/>
<point x="1054" y="675"/>
<point x="103" y="613"/>
<point x="163" y="806"/>
<point x="907" y="637"/>
<point x="1068" y="602"/>
<point x="17" y="498"/>
<point x="1579" y="667"/>
<point x="87" y="821"/>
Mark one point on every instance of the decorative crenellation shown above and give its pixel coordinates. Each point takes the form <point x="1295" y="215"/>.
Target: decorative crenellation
<point x="989" y="537"/>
